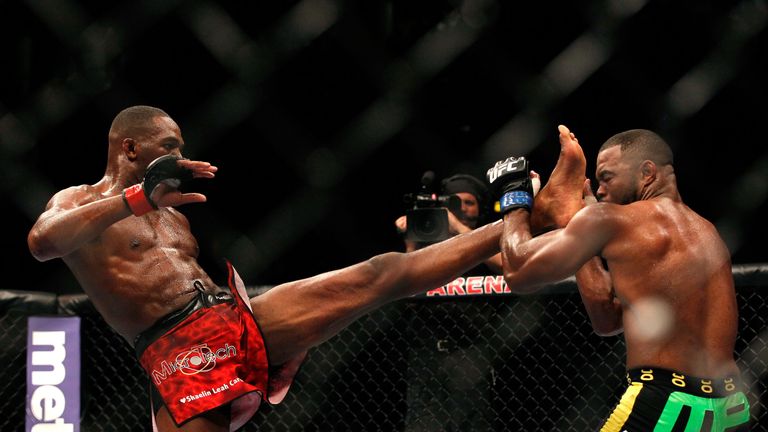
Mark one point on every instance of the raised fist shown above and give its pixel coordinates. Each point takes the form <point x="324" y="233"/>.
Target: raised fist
<point x="510" y="181"/>
<point x="159" y="187"/>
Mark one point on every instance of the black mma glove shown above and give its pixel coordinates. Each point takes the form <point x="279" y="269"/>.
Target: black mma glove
<point x="164" y="169"/>
<point x="510" y="180"/>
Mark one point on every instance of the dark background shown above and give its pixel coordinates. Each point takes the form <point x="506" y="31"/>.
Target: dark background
<point x="321" y="114"/>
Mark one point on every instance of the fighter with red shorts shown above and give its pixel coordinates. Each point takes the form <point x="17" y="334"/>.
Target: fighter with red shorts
<point x="134" y="254"/>
<point x="209" y="354"/>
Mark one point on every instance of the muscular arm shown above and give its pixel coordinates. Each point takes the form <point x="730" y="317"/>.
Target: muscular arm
<point x="530" y="263"/>
<point x="597" y="294"/>
<point x="70" y="221"/>
<point x="596" y="289"/>
<point x="76" y="216"/>
<point x="494" y="264"/>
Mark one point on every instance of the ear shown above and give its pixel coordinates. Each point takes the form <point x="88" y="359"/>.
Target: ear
<point x="648" y="170"/>
<point x="129" y="148"/>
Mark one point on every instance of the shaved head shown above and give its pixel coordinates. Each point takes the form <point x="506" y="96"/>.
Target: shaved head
<point x="136" y="121"/>
<point x="641" y="144"/>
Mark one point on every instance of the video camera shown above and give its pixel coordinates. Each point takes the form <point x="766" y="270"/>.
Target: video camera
<point x="427" y="216"/>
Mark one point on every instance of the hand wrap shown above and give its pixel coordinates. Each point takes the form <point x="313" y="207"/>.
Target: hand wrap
<point x="164" y="169"/>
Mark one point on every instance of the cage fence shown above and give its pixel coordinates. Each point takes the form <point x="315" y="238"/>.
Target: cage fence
<point x="466" y="363"/>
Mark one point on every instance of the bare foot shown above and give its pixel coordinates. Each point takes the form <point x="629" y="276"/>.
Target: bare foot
<point x="562" y="196"/>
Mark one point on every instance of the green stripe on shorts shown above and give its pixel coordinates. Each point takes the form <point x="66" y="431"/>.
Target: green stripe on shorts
<point x="719" y="407"/>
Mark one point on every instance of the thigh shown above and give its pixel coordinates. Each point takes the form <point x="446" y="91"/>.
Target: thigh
<point x="638" y="409"/>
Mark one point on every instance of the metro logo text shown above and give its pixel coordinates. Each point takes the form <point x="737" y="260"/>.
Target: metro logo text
<point x="53" y="376"/>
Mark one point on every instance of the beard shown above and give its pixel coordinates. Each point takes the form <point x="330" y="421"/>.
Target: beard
<point x="622" y="197"/>
<point x="470" y="221"/>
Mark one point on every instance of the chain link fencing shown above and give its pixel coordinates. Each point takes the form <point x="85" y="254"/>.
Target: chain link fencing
<point x="463" y="363"/>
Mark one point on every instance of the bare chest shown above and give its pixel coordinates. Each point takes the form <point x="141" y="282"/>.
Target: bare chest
<point x="159" y="229"/>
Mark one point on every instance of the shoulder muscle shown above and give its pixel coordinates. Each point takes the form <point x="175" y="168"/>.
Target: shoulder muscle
<point x="70" y="198"/>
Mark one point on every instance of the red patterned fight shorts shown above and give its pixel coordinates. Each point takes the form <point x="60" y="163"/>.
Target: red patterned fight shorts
<point x="213" y="355"/>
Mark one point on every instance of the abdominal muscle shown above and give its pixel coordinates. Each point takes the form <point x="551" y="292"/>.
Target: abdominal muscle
<point x="132" y="294"/>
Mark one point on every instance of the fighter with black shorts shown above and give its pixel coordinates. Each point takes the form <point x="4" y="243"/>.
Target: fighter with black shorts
<point x="662" y="400"/>
<point x="646" y="265"/>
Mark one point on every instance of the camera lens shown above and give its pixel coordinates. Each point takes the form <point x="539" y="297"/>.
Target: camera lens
<point x="427" y="225"/>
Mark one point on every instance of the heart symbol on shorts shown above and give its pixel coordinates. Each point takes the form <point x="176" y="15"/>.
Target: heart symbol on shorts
<point x="181" y="400"/>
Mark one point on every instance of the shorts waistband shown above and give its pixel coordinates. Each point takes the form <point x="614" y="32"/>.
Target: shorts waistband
<point x="201" y="300"/>
<point x="704" y="387"/>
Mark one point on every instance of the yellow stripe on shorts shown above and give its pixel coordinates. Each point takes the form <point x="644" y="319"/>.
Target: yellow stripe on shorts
<point x="623" y="410"/>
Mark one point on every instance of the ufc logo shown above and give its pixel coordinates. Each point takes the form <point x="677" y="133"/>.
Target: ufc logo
<point x="510" y="164"/>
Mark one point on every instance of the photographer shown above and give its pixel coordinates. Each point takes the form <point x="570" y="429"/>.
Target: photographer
<point x="457" y="205"/>
<point x="472" y="208"/>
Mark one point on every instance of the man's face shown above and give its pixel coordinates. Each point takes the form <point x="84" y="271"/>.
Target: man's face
<point x="470" y="209"/>
<point x="163" y="138"/>
<point x="616" y="177"/>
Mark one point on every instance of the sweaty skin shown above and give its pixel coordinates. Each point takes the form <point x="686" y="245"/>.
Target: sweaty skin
<point x="134" y="269"/>
<point x="670" y="271"/>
